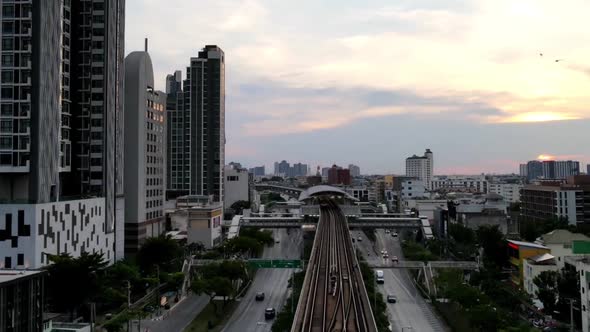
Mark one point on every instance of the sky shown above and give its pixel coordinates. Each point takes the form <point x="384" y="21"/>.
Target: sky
<point x="371" y="82"/>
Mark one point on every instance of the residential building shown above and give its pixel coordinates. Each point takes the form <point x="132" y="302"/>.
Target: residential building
<point x="237" y="185"/>
<point x="412" y="189"/>
<point x="476" y="211"/>
<point x="583" y="267"/>
<point x="61" y="129"/>
<point x="421" y="167"/>
<point x="510" y="191"/>
<point x="325" y="171"/>
<point x="200" y="217"/>
<point x="467" y="183"/>
<point x="561" y="242"/>
<point x="569" y="200"/>
<point x="533" y="267"/>
<point x="145" y="156"/>
<point x="197" y="128"/>
<point x="354" y="170"/>
<point x="534" y="170"/>
<point x="588" y="169"/>
<point x="257" y="171"/>
<point x="518" y="251"/>
<point x="314" y="180"/>
<point x="424" y="207"/>
<point x="338" y="175"/>
<point x="299" y="169"/>
<point x="21" y="300"/>
<point x="377" y="191"/>
<point x="360" y="193"/>
<point x="551" y="169"/>
<point x="282" y="168"/>
<point x="523" y="170"/>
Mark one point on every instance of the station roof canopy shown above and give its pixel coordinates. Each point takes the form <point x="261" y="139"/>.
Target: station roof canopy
<point x="324" y="190"/>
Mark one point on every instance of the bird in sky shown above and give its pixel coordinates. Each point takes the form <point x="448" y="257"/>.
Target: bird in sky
<point x="558" y="60"/>
<point x="541" y="54"/>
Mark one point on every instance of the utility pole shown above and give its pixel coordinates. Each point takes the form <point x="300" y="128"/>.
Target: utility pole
<point x="128" y="301"/>
<point x="571" y="315"/>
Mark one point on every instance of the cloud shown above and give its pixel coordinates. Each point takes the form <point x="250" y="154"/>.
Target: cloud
<point x="303" y="68"/>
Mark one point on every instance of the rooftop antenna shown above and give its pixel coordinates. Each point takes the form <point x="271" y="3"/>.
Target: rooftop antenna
<point x="146" y="45"/>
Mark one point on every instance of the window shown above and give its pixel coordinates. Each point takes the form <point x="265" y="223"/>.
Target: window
<point x="8" y="11"/>
<point x="7" y="27"/>
<point x="7" y="76"/>
<point x="7" y="60"/>
<point x="7" y="44"/>
<point x="6" y="126"/>
<point x="5" y="142"/>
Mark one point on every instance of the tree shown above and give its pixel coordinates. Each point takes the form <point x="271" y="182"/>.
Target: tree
<point x="461" y="234"/>
<point x="492" y="241"/>
<point x="216" y="286"/>
<point x="547" y="282"/>
<point x="162" y="251"/>
<point x="73" y="282"/>
<point x="239" y="206"/>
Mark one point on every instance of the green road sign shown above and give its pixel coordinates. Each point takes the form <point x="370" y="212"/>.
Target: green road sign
<point x="275" y="263"/>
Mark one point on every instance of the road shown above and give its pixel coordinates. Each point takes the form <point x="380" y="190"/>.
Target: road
<point x="180" y="316"/>
<point x="411" y="310"/>
<point x="249" y="316"/>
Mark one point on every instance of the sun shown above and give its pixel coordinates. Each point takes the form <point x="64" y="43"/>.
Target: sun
<point x="545" y="157"/>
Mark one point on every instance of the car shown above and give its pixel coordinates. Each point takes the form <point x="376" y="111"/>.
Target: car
<point x="277" y="241"/>
<point x="391" y="299"/>
<point x="385" y="255"/>
<point x="270" y="313"/>
<point x="394" y="259"/>
<point x="383" y="251"/>
<point x="387" y="231"/>
<point x="259" y="296"/>
<point x="360" y="239"/>
<point x="352" y="240"/>
<point x="394" y="234"/>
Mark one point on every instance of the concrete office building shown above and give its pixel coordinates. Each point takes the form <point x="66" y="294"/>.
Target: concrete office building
<point x="421" y="167"/>
<point x="61" y="129"/>
<point x="145" y="144"/>
<point x="21" y="300"/>
<point x="354" y="170"/>
<point x="237" y="185"/>
<point x="197" y="128"/>
<point x="200" y="217"/>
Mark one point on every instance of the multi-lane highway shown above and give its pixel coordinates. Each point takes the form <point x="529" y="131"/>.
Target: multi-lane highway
<point x="411" y="312"/>
<point x="249" y="316"/>
<point x="333" y="297"/>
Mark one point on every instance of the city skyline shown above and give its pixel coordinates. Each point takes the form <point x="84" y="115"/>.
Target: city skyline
<point x="309" y="91"/>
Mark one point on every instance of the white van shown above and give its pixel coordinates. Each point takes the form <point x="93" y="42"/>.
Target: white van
<point x="379" y="276"/>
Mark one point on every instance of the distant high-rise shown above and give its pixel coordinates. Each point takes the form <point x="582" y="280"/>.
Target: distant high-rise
<point x="257" y="171"/>
<point x="338" y="175"/>
<point x="145" y="145"/>
<point x="61" y="129"/>
<point x="534" y="169"/>
<point x="588" y="169"/>
<point x="197" y="128"/>
<point x="354" y="170"/>
<point x="523" y="170"/>
<point x="552" y="169"/>
<point x="421" y="167"/>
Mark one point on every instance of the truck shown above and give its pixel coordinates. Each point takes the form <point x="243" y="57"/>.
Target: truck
<point x="379" y="276"/>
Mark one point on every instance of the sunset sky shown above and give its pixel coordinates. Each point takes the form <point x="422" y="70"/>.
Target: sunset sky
<point x="373" y="82"/>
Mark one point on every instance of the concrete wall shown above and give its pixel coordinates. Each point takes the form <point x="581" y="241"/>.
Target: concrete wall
<point x="34" y="230"/>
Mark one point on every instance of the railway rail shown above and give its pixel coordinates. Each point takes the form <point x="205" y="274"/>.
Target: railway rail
<point x="333" y="295"/>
